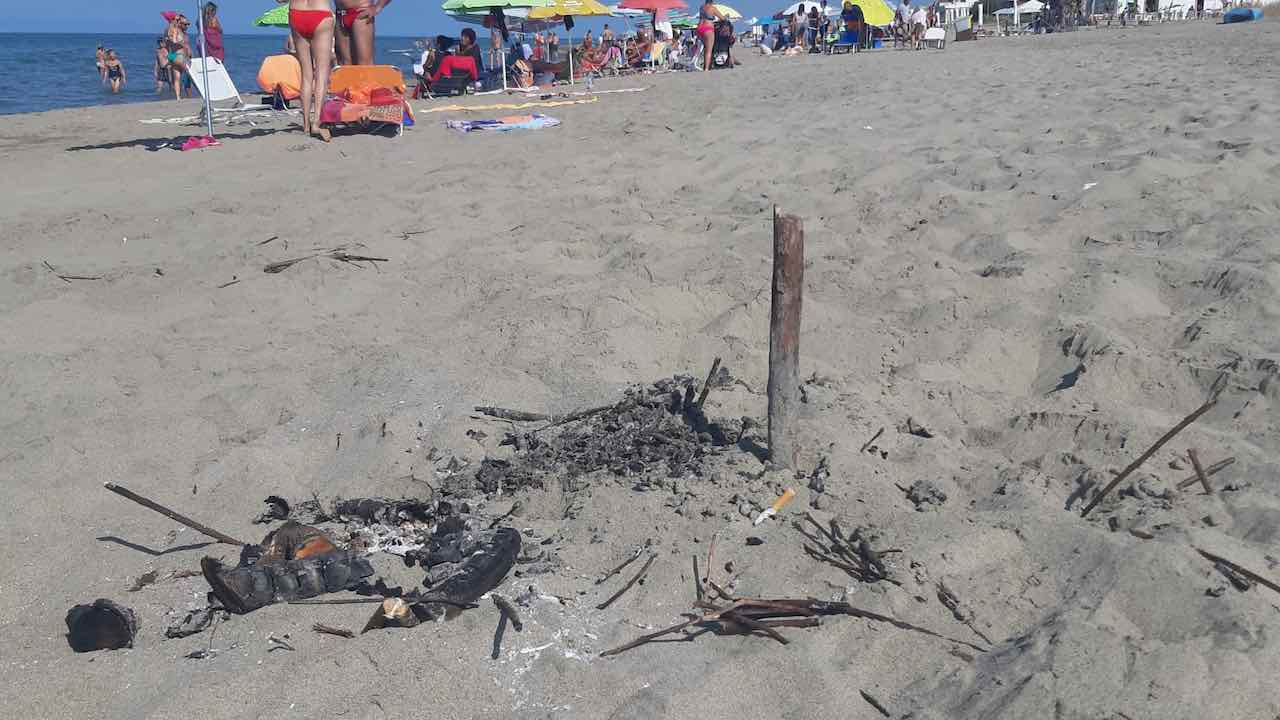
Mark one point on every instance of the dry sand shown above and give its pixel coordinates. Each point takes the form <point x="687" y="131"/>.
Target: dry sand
<point x="980" y="222"/>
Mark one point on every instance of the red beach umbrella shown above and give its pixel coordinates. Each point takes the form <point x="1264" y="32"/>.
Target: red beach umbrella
<point x="654" y="6"/>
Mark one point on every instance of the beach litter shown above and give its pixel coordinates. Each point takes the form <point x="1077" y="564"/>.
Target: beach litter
<point x="504" y="124"/>
<point x="100" y="625"/>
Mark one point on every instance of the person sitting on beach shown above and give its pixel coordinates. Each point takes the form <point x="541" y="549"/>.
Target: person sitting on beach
<point x="161" y="65"/>
<point x="354" y="31"/>
<point x="467" y="46"/>
<point x="101" y="56"/>
<point x="116" y="74"/>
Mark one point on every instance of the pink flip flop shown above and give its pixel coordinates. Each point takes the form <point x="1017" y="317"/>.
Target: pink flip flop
<point x="195" y="143"/>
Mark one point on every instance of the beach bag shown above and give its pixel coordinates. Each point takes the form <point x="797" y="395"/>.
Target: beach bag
<point x="523" y="74"/>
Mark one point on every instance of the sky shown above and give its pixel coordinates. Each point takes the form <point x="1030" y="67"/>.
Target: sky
<point x="402" y="17"/>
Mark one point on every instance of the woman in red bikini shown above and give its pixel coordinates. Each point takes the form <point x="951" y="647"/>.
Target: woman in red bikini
<point x="355" y="30"/>
<point x="311" y="22"/>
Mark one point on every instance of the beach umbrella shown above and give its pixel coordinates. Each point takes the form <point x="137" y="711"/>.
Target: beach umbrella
<point x="471" y="7"/>
<point x="728" y="12"/>
<point x="653" y="6"/>
<point x="517" y="20"/>
<point x="808" y="4"/>
<point x="559" y="9"/>
<point x="277" y="16"/>
<point x="876" y="12"/>
<point x="683" y="21"/>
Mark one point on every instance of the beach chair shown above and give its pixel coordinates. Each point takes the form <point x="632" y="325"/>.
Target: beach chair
<point x="455" y="74"/>
<point x="386" y="105"/>
<point x="935" y="37"/>
<point x="221" y="88"/>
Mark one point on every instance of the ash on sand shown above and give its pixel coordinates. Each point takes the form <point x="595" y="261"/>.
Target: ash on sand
<point x="654" y="430"/>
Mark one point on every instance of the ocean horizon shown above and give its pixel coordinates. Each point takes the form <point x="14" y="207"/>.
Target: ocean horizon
<point x="53" y="71"/>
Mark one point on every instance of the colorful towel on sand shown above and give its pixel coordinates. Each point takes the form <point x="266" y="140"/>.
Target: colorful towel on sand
<point x="504" y="124"/>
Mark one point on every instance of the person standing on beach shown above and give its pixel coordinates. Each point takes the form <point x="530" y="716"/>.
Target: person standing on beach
<point x="102" y="63"/>
<point x="162" y="65"/>
<point x="116" y="74"/>
<point x="213" y="34"/>
<point x="177" y="52"/>
<point x="355" y="39"/>
<point x="553" y="46"/>
<point x="708" y="14"/>
<point x="312" y="25"/>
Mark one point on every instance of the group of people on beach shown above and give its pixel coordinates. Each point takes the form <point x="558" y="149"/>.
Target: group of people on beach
<point x="173" y="53"/>
<point x="111" y="69"/>
<point x="811" y="25"/>
<point x="320" y="32"/>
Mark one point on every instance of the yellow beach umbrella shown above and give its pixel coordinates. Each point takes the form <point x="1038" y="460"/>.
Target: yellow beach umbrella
<point x="728" y="12"/>
<point x="875" y="12"/>
<point x="569" y="8"/>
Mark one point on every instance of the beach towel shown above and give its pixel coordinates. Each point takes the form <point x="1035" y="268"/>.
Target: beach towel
<point x="506" y="106"/>
<point x="504" y="124"/>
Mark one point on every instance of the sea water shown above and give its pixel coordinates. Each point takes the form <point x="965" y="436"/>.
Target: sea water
<point x="50" y="71"/>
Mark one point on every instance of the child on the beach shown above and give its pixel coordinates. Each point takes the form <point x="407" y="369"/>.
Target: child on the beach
<point x="162" y="65"/>
<point x="115" y="71"/>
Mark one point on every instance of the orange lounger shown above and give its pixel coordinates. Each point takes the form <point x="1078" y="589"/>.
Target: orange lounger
<point x="355" y="77"/>
<point x="283" y="72"/>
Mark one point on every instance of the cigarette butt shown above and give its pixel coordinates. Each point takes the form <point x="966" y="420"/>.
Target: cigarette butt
<point x="783" y="499"/>
<point x="777" y="505"/>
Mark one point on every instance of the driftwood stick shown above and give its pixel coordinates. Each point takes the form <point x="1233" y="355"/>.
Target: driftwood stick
<point x="720" y="591"/>
<point x="697" y="580"/>
<point x="508" y="414"/>
<point x="183" y="519"/>
<point x="784" y="337"/>
<point x="650" y="637"/>
<point x="1210" y="471"/>
<point x="1204" y="479"/>
<point x="330" y="630"/>
<point x="873" y="702"/>
<point x="875" y="437"/>
<point x="506" y="607"/>
<point x="711" y="557"/>
<point x="1150" y="451"/>
<point x="621" y="567"/>
<point x="755" y="625"/>
<point x="337" y="601"/>
<point x="497" y="636"/>
<point x="706" y="386"/>
<point x="630" y="583"/>
<point x="1240" y="569"/>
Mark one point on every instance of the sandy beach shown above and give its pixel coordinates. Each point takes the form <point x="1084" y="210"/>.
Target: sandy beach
<point x="1040" y="252"/>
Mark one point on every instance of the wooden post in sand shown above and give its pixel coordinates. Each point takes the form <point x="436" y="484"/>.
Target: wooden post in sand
<point x="784" y="337"/>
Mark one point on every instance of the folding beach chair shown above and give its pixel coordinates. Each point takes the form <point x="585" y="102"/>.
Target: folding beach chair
<point x="221" y="88"/>
<point x="935" y="37"/>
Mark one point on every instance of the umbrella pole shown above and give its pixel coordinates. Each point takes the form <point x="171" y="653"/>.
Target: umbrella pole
<point x="504" y="66"/>
<point x="204" y="54"/>
<point x="570" y="34"/>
